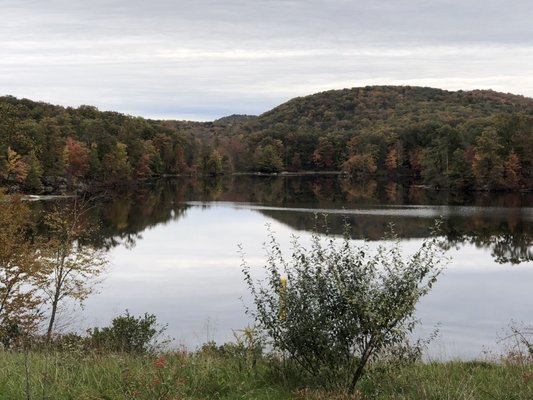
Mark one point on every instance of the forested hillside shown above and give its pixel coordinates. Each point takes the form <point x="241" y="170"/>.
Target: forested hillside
<point x="461" y="140"/>
<point x="458" y="139"/>
<point x="42" y="144"/>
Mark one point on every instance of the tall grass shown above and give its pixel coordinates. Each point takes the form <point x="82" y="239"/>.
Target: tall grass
<point x="53" y="375"/>
<point x="458" y="380"/>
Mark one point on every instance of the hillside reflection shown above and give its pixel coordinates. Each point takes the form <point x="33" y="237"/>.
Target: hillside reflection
<point x="499" y="222"/>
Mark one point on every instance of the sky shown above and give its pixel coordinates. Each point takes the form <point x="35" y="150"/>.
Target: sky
<point x="204" y="59"/>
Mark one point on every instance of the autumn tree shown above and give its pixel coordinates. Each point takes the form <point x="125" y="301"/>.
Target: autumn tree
<point x="18" y="270"/>
<point x="392" y="159"/>
<point x="75" y="157"/>
<point x="143" y="169"/>
<point x="416" y="156"/>
<point x="360" y="164"/>
<point x="324" y="155"/>
<point x="17" y="168"/>
<point x="70" y="265"/>
<point x="512" y="176"/>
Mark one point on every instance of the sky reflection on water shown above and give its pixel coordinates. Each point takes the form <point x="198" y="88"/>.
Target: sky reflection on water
<point x="188" y="273"/>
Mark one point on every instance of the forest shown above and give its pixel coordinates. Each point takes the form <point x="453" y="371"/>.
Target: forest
<point x="462" y="141"/>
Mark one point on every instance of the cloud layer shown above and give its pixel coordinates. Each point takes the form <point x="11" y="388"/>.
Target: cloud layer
<point x="204" y="59"/>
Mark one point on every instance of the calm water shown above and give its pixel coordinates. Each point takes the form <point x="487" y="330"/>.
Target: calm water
<point x="173" y="252"/>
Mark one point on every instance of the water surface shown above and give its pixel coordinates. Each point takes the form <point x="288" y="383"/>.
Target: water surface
<point x="173" y="251"/>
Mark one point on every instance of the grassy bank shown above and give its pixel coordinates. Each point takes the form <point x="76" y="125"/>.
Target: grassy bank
<point x="206" y="375"/>
<point x="111" y="376"/>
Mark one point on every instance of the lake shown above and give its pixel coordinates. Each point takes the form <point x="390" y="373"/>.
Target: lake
<point x="173" y="250"/>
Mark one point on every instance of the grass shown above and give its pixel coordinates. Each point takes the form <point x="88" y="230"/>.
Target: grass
<point x="172" y="376"/>
<point x="458" y="380"/>
<point x="204" y="375"/>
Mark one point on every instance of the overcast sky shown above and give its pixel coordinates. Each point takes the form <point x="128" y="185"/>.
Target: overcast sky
<point x="203" y="59"/>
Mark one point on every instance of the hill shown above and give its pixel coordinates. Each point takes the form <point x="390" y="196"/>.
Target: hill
<point x="461" y="140"/>
<point x="388" y="106"/>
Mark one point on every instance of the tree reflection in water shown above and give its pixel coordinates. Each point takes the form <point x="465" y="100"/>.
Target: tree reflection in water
<point x="499" y="222"/>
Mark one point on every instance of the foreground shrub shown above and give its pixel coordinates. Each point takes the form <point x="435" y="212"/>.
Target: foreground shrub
<point x="333" y="307"/>
<point x="127" y="334"/>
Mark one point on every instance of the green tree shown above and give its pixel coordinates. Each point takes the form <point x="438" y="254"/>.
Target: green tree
<point x="436" y="163"/>
<point x="35" y="171"/>
<point x="488" y="166"/>
<point x="214" y="164"/>
<point x="334" y="306"/>
<point x="116" y="165"/>
<point x="460" y="176"/>
<point x="53" y="146"/>
<point x="93" y="162"/>
<point x="268" y="159"/>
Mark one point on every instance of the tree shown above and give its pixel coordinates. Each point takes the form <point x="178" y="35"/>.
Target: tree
<point x="360" y="165"/>
<point x="93" y="162"/>
<point x="75" y="157"/>
<point x="17" y="168"/>
<point x="35" y="171"/>
<point x="436" y="160"/>
<point x="214" y="164"/>
<point x="268" y="160"/>
<point x="392" y="159"/>
<point x="460" y="175"/>
<point x="324" y="155"/>
<point x="335" y="306"/>
<point x="18" y="269"/>
<point x="116" y="165"/>
<point x="71" y="266"/>
<point x="512" y="174"/>
<point x="488" y="165"/>
<point x="53" y="146"/>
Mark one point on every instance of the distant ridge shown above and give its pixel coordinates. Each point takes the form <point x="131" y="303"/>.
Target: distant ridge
<point x="235" y="119"/>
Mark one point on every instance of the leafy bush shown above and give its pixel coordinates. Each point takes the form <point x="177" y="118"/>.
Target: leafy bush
<point x="335" y="306"/>
<point x="127" y="334"/>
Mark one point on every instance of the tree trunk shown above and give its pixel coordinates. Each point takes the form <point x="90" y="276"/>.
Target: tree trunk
<point x="52" y="316"/>
<point x="359" y="370"/>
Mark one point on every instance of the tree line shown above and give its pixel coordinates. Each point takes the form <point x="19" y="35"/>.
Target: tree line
<point x="458" y="140"/>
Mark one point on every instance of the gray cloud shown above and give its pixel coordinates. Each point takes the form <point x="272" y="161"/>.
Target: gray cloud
<point x="203" y="59"/>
